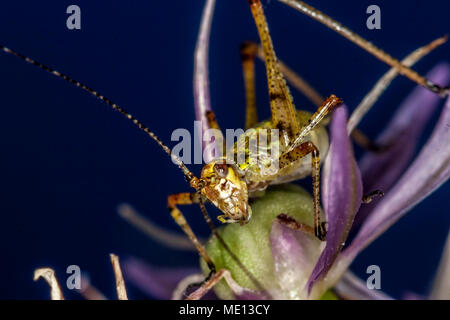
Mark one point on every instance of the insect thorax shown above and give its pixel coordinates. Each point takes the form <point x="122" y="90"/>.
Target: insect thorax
<point x="256" y="153"/>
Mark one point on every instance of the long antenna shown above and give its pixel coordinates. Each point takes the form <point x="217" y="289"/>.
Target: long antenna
<point x="189" y="175"/>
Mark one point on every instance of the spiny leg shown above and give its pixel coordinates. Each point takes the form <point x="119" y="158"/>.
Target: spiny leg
<point x="212" y="281"/>
<point x="294" y="224"/>
<point x="295" y="80"/>
<point x="292" y="77"/>
<point x="316" y="98"/>
<point x="383" y="83"/>
<point x="366" y="143"/>
<point x="364" y="106"/>
<point x="186" y="198"/>
<point x="298" y="153"/>
<point x="281" y="104"/>
<point x="248" y="53"/>
<point x="212" y="120"/>
<point x="205" y="286"/>
<point x="366" y="45"/>
<point x="325" y="108"/>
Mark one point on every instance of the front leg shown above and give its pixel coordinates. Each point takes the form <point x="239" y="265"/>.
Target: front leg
<point x="186" y="198"/>
<point x="298" y="153"/>
<point x="327" y="106"/>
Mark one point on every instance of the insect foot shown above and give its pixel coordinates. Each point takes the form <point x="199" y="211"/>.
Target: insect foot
<point x="321" y="231"/>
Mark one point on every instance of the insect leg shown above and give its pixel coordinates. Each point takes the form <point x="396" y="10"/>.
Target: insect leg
<point x="248" y="53"/>
<point x="315" y="97"/>
<point x="293" y="78"/>
<point x="210" y="283"/>
<point x="294" y="224"/>
<point x="301" y="85"/>
<point x="366" y="45"/>
<point x="365" y="142"/>
<point x="191" y="198"/>
<point x="296" y="154"/>
<point x="368" y="101"/>
<point x="281" y="104"/>
<point x="325" y="108"/>
<point x="212" y="120"/>
<point x="184" y="199"/>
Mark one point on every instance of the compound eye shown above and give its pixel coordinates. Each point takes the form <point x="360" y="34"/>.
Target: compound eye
<point x="221" y="169"/>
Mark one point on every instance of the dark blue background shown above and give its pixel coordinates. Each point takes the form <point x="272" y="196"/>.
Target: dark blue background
<point x="67" y="161"/>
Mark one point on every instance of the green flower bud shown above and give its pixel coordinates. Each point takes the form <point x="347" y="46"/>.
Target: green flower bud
<point x="251" y="242"/>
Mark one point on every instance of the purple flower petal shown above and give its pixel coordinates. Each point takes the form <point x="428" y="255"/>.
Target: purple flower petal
<point x="342" y="193"/>
<point x="381" y="171"/>
<point x="201" y="80"/>
<point x="412" y="296"/>
<point x="157" y="282"/>
<point x="249" y="295"/>
<point x="430" y="169"/>
<point x="294" y="254"/>
<point x="351" y="287"/>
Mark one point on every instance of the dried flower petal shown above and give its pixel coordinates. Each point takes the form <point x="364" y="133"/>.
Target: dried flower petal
<point x="120" y="283"/>
<point x="49" y="275"/>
